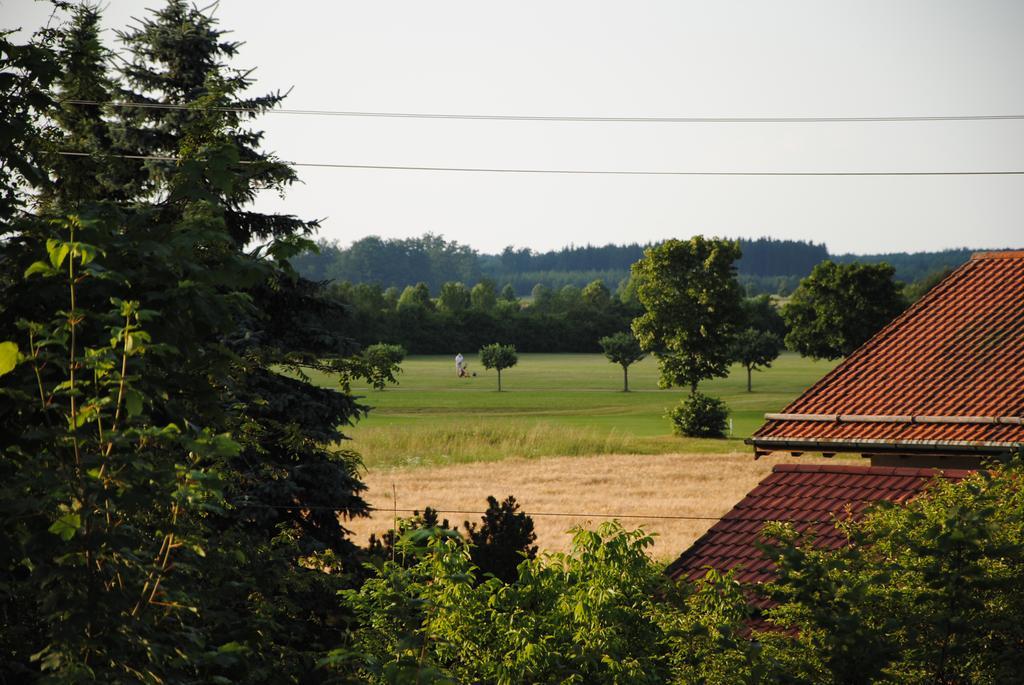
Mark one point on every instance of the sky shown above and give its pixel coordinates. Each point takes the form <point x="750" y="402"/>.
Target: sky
<point x="642" y="58"/>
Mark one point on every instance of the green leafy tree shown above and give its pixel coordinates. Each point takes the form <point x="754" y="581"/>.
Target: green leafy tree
<point x="626" y="291"/>
<point x="391" y="296"/>
<point x="623" y="349"/>
<point x="569" y="299"/>
<point x="498" y="544"/>
<point x="508" y="293"/>
<point x="692" y="311"/>
<point x="382" y="361"/>
<point x="543" y="298"/>
<point x="596" y="295"/>
<point x="483" y="296"/>
<point x="106" y="502"/>
<point x="601" y="613"/>
<point x="839" y="306"/>
<point x="497" y="356"/>
<point x="454" y="298"/>
<point x="415" y="298"/>
<point x="691" y="308"/>
<point x="927" y="591"/>
<point x="918" y="289"/>
<point x="760" y="313"/>
<point x="755" y="350"/>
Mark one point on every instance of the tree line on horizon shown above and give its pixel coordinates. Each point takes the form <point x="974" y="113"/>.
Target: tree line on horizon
<point x="767" y="265"/>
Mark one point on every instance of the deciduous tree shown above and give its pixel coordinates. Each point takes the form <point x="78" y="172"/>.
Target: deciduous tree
<point x="415" y="298"/>
<point x="497" y="356"/>
<point x="623" y="349"/>
<point x="839" y="306"/>
<point x="483" y="296"/>
<point x="755" y="349"/>
<point x="692" y="307"/>
<point x="692" y="311"/>
<point x="382" y="361"/>
<point x="454" y="298"/>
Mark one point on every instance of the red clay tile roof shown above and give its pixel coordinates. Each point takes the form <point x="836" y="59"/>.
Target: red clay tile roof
<point x="811" y="496"/>
<point x="946" y="374"/>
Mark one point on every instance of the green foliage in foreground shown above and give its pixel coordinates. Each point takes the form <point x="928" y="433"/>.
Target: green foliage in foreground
<point x="928" y="592"/>
<point x="169" y="512"/>
<point x="600" y="614"/>
<point x="502" y="539"/>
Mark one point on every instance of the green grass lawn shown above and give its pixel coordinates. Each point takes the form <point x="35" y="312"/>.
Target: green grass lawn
<point x="552" y="404"/>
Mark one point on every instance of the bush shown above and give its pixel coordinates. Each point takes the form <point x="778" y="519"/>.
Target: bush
<point x="499" y="543"/>
<point x="503" y="539"/>
<point x="700" y="416"/>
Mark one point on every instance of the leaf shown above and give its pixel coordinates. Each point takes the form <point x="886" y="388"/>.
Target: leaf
<point x="86" y="252"/>
<point x="133" y="402"/>
<point x="58" y="251"/>
<point x="40" y="268"/>
<point x="66" y="526"/>
<point x="8" y="357"/>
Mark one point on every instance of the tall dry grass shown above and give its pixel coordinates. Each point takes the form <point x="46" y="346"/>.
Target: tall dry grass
<point x="582" y="490"/>
<point x="451" y="442"/>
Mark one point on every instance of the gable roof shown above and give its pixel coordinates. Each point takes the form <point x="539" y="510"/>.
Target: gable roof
<point x="810" y="496"/>
<point x="945" y="376"/>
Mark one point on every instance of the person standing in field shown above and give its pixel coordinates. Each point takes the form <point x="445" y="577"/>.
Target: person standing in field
<point x="459" y="361"/>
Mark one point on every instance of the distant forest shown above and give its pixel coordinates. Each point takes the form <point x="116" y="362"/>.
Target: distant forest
<point x="767" y="266"/>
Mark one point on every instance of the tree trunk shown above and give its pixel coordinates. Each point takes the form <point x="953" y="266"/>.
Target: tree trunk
<point x="748" y="380"/>
<point x="625" y="378"/>
<point x="499" y="380"/>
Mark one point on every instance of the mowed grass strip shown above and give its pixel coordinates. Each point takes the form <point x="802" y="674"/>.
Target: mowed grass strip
<point x="553" y="404"/>
<point x="594" y="488"/>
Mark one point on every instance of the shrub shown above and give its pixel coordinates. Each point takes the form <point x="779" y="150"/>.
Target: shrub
<point x="499" y="543"/>
<point x="504" y="538"/>
<point x="700" y="416"/>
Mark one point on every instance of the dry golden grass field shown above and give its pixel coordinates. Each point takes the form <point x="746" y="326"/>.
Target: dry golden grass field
<point x="596" y="487"/>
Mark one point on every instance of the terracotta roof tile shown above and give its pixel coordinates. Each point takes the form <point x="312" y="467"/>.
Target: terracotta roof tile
<point x="958" y="352"/>
<point x="731" y="542"/>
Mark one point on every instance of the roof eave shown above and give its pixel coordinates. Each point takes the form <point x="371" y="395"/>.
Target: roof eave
<point x="878" y="446"/>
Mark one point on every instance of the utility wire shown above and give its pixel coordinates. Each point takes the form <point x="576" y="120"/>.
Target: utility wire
<point x="529" y="117"/>
<point x="591" y="172"/>
<point x="443" y="511"/>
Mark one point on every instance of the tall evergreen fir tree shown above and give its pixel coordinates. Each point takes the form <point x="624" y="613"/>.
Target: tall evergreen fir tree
<point x="179" y="56"/>
<point x="82" y="170"/>
<point x="213" y="549"/>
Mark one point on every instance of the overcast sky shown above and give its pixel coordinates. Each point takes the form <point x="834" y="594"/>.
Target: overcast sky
<point x="641" y="58"/>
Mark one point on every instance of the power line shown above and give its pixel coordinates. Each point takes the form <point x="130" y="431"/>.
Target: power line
<point x="576" y="119"/>
<point x="590" y="172"/>
<point x="442" y="511"/>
